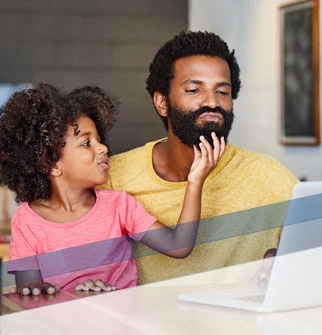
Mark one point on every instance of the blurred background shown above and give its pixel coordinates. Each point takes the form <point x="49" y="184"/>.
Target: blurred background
<point x="111" y="44"/>
<point x="103" y="42"/>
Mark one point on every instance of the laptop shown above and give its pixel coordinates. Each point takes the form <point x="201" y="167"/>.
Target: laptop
<point x="296" y="275"/>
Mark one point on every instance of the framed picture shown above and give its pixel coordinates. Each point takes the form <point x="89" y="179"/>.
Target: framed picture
<point x="300" y="121"/>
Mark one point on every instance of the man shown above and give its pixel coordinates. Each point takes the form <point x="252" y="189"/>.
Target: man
<point x="193" y="80"/>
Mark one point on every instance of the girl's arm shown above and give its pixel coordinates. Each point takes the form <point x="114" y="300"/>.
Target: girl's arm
<point x="31" y="283"/>
<point x="180" y="241"/>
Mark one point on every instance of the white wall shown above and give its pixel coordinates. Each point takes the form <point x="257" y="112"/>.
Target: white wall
<point x="251" y="28"/>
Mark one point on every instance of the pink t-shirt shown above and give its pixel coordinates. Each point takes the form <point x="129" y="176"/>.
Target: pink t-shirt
<point x="96" y="246"/>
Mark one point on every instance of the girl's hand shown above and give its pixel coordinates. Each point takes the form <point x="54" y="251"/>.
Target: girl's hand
<point x="206" y="159"/>
<point x="35" y="289"/>
<point x="97" y="285"/>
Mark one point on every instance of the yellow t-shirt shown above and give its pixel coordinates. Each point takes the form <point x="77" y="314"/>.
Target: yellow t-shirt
<point x="239" y="222"/>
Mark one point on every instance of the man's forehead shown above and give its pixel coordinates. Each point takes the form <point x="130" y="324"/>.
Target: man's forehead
<point x="199" y="68"/>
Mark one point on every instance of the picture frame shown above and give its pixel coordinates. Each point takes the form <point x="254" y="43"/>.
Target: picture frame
<point x="299" y="31"/>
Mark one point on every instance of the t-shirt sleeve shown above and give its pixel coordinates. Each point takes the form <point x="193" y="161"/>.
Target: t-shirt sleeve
<point x="137" y="220"/>
<point x="21" y="254"/>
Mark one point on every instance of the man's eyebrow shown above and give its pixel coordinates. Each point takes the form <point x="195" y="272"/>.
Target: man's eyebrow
<point x="193" y="81"/>
<point x="198" y="82"/>
<point x="224" y="83"/>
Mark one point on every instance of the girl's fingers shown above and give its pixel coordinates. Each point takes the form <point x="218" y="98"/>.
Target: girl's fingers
<point x="36" y="291"/>
<point x="97" y="286"/>
<point x="215" y="141"/>
<point x="217" y="145"/>
<point x="205" y="148"/>
<point x="92" y="286"/>
<point x="197" y="153"/>
<point x="206" y="144"/>
<point x="209" y="153"/>
<point x="222" y="146"/>
<point x="29" y="290"/>
<point x="23" y="290"/>
<point x="104" y="286"/>
<point x="48" y="288"/>
<point x="207" y="156"/>
<point x="81" y="287"/>
<point x="13" y="290"/>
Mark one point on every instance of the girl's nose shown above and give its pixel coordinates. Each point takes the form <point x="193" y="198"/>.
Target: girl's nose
<point x="102" y="149"/>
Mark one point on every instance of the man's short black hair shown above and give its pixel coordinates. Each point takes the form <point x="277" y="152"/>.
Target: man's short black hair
<point x="184" y="45"/>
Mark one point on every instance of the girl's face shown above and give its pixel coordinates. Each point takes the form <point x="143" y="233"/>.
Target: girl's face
<point x="84" y="162"/>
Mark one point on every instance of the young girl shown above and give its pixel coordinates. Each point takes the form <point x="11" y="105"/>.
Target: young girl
<point x="52" y="154"/>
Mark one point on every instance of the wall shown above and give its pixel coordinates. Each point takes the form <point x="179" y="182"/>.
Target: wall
<point x="105" y="42"/>
<point x="251" y="28"/>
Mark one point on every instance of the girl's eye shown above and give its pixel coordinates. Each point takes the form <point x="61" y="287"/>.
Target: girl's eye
<point x="192" y="91"/>
<point x="86" y="144"/>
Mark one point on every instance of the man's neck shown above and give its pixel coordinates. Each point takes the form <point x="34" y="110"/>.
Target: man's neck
<point x="172" y="159"/>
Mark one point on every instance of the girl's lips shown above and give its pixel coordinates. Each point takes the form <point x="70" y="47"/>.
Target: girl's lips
<point x="104" y="164"/>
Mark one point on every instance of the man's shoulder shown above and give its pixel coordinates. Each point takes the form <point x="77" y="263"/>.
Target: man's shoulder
<point x="128" y="169"/>
<point x="133" y="154"/>
<point x="124" y="156"/>
<point x="240" y="153"/>
<point x="253" y="162"/>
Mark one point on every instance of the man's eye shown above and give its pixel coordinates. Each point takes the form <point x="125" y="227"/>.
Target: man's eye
<point x="192" y="91"/>
<point x="223" y="92"/>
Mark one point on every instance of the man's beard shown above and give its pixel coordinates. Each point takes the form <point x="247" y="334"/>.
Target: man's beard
<point x="183" y="124"/>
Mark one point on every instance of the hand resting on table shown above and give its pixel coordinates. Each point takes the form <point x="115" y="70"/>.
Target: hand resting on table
<point x="261" y="277"/>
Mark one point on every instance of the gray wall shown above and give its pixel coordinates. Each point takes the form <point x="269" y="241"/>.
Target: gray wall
<point x="109" y="43"/>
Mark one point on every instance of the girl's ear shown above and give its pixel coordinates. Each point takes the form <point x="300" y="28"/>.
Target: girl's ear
<point x="160" y="103"/>
<point x="55" y="171"/>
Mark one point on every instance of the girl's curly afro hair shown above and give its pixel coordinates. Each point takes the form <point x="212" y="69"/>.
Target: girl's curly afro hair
<point x="33" y="125"/>
<point x="95" y="103"/>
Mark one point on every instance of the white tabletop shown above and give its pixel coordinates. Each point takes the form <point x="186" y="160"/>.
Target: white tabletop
<point x="155" y="309"/>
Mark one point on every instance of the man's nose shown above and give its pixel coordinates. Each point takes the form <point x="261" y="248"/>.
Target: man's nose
<point x="211" y="100"/>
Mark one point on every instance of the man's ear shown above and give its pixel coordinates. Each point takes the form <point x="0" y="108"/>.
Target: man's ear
<point x="160" y="103"/>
